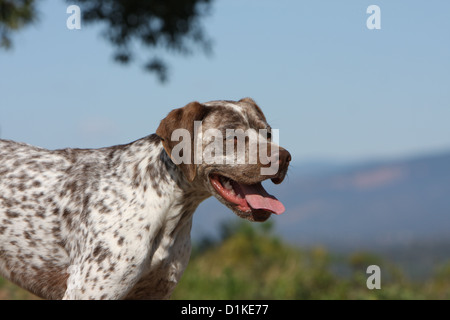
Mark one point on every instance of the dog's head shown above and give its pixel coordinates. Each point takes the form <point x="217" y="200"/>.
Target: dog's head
<point x="228" y="148"/>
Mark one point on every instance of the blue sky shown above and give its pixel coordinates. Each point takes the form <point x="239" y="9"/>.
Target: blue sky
<point x="335" y="89"/>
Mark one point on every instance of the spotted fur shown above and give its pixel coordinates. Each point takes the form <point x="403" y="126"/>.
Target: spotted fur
<point x="109" y="223"/>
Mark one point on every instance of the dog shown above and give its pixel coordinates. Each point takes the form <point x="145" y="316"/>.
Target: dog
<point x="114" y="223"/>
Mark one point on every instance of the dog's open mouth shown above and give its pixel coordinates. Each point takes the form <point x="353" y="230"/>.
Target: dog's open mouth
<point x="247" y="198"/>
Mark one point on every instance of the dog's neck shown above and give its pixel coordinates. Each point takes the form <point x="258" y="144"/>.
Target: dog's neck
<point x="154" y="176"/>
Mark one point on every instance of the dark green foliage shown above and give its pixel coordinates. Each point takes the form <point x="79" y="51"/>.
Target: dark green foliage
<point x="14" y="15"/>
<point x="172" y="25"/>
<point x="156" y="25"/>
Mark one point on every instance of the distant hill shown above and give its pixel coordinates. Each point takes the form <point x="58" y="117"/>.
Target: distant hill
<point x="374" y="205"/>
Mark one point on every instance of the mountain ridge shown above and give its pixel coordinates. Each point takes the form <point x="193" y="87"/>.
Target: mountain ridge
<point x="369" y="204"/>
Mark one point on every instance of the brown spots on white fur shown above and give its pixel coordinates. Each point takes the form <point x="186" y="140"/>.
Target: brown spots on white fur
<point x="108" y="223"/>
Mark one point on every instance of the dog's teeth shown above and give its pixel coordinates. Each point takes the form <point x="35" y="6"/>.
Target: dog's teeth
<point x="227" y="185"/>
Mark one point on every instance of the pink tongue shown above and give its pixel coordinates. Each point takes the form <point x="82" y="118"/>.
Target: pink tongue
<point x="258" y="198"/>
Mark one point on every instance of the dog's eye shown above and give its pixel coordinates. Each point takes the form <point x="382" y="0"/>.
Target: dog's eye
<point x="266" y="133"/>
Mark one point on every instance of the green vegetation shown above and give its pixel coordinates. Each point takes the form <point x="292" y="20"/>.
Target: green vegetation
<point x="14" y="15"/>
<point x="249" y="262"/>
<point x="9" y="291"/>
<point x="173" y="26"/>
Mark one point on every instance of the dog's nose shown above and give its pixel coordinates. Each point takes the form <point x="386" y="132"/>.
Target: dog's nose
<point x="285" y="157"/>
<point x="282" y="156"/>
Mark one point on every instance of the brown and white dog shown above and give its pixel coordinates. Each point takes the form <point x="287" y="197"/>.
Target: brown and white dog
<point x="114" y="223"/>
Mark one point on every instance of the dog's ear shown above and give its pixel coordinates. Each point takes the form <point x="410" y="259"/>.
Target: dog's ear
<point x="252" y="102"/>
<point x="248" y="100"/>
<point x="182" y="118"/>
